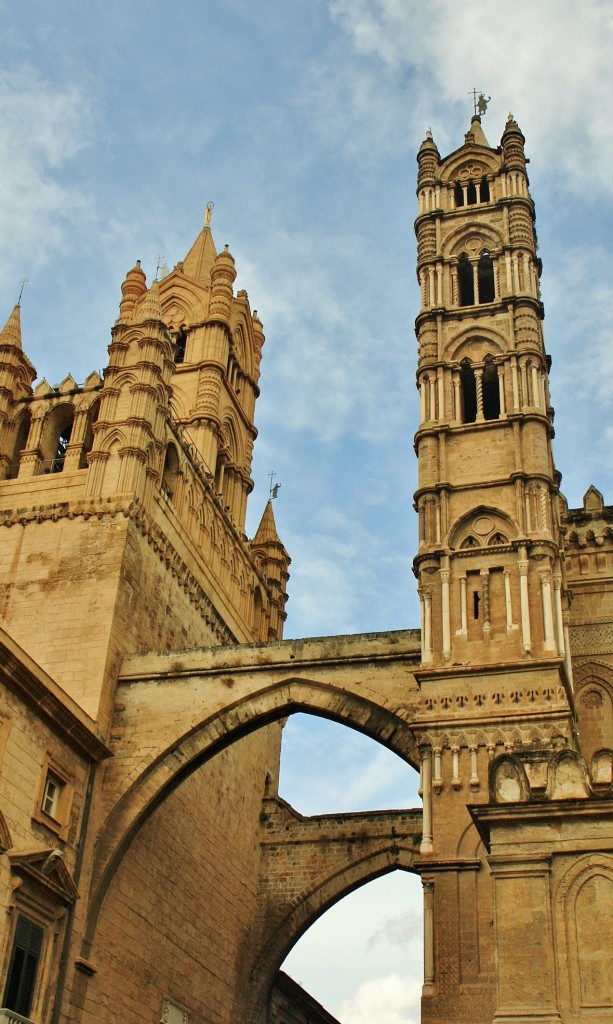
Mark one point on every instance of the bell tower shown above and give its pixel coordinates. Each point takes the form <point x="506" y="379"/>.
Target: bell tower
<point x="495" y="675"/>
<point x="489" y="568"/>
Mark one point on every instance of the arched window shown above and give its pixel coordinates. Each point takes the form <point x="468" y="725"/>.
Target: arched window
<point x="466" y="281"/>
<point x="484" y="190"/>
<point x="458" y="194"/>
<point x="55" y="437"/>
<point x="485" y="274"/>
<point x="491" y="392"/>
<point x="170" y="476"/>
<point x="88" y="441"/>
<point x="469" y="392"/>
<point x="471" y="194"/>
<point x="21" y="439"/>
<point x="180" y="343"/>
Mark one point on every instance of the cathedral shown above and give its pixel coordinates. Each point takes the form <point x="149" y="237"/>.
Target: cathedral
<point x="149" y="870"/>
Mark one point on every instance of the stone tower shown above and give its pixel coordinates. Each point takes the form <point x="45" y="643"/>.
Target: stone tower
<point x="495" y="674"/>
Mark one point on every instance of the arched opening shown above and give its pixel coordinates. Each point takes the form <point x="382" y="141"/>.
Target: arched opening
<point x="458" y="193"/>
<point x="471" y="193"/>
<point x="368" y="945"/>
<point x="55" y="438"/>
<point x="180" y="344"/>
<point x="491" y="390"/>
<point x="469" y="391"/>
<point x="170" y="476"/>
<point x="466" y="282"/>
<point x="24" y="421"/>
<point x="484" y="190"/>
<point x="193" y="863"/>
<point x="88" y="440"/>
<point x="485" y="273"/>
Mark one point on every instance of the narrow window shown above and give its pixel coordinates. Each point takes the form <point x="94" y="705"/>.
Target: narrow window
<point x="459" y="194"/>
<point x="21" y="439"/>
<point x="180" y="343"/>
<point x="170" y="476"/>
<point x="88" y="442"/>
<point x="485" y="274"/>
<point x="484" y="190"/>
<point x="60" y="452"/>
<point x="469" y="392"/>
<point x="51" y="795"/>
<point x="23" y="967"/>
<point x="491" y="391"/>
<point x="466" y="281"/>
<point x="471" y="194"/>
<point x="476" y="600"/>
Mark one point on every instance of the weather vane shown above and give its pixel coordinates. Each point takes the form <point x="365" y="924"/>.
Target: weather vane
<point x="159" y="258"/>
<point x="274" y="488"/>
<point x="208" y="214"/>
<point x="23" y="282"/>
<point x="479" y="102"/>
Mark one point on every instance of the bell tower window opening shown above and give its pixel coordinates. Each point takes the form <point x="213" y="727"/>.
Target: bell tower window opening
<point x="471" y="194"/>
<point x="476" y="602"/>
<point x="180" y="343"/>
<point x="484" y="190"/>
<point x="491" y="391"/>
<point x="60" y="452"/>
<point x="458" y="194"/>
<point x="466" y="281"/>
<point x="469" y="392"/>
<point x="485" y="274"/>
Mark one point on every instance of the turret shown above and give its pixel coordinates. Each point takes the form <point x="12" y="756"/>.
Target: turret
<point x="273" y="562"/>
<point x="16" y="377"/>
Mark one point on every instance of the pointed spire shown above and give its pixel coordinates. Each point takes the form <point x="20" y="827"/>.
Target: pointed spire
<point x="11" y="332"/>
<point x="267" y="530"/>
<point x="151" y="308"/>
<point x="475" y="133"/>
<point x="202" y="255"/>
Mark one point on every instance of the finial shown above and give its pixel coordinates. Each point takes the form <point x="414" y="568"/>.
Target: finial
<point x="208" y="214"/>
<point x="479" y="102"/>
<point x="274" y="488"/>
<point x="428" y="133"/>
<point x="158" y="264"/>
<point x="23" y="282"/>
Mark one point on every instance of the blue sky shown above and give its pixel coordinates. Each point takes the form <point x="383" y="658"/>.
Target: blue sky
<point x="300" y="120"/>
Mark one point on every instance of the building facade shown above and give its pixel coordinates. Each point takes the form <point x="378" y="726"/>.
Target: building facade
<point x="149" y="869"/>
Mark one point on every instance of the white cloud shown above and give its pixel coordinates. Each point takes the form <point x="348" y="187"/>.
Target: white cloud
<point x="389" y="1000"/>
<point x="42" y="128"/>
<point x="546" y="63"/>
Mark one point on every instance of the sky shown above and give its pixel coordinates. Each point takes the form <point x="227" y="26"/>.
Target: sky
<point x="300" y="120"/>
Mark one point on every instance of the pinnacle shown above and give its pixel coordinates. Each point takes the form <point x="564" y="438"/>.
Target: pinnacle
<point x="201" y="257"/>
<point x="267" y="530"/>
<point x="11" y="332"/>
<point x="151" y="308"/>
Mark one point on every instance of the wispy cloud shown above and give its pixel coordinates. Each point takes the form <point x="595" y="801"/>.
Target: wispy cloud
<point x="394" y="999"/>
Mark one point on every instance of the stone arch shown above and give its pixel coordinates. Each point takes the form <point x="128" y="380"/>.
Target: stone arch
<point x="476" y="344"/>
<point x="508" y="781"/>
<point x="55" y="436"/>
<point x="484" y="525"/>
<point x="311" y="907"/>
<point x="154" y="779"/>
<point x="594" y="702"/>
<point x="468" y="240"/>
<point x="584" y="928"/>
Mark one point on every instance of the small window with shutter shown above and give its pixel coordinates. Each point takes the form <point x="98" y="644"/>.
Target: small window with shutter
<point x="23" y="966"/>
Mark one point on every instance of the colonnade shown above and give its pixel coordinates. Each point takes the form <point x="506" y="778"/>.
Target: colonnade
<point x="527" y="387"/>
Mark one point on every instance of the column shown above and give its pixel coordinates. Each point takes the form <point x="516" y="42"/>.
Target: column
<point x="515" y="381"/>
<point x="422" y="287"/>
<point x="440" y="394"/>
<point x="437" y="781"/>
<point x="507" y="260"/>
<point x="474" y="770"/>
<point x="457" y="403"/>
<point x="550" y="644"/>
<point x="454" y="286"/>
<point x="428" y="987"/>
<point x="485" y="602"/>
<point x="557" y="602"/>
<point x="479" y="384"/>
<point x="444" y="573"/>
<point x="422" y="401"/>
<point x="503" y="407"/>
<point x="507" y="598"/>
<point x="524" y="601"/>
<point x="463" y="616"/>
<point x="456" y="781"/>
<point x="427" y="631"/>
<point x="430" y="286"/>
<point x="476" y="281"/>
<point x="432" y="396"/>
<point x="567" y="657"/>
<point x="426" y="785"/>
<point x="536" y="391"/>
<point x="515" y="274"/>
<point x="439" y="285"/>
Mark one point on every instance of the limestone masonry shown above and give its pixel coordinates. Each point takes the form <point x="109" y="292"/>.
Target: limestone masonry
<point x="149" y="870"/>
